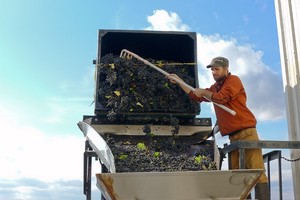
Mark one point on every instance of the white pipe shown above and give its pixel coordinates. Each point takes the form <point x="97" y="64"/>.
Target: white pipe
<point x="288" y="19"/>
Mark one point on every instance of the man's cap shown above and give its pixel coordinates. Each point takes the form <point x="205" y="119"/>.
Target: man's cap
<point x="218" y="61"/>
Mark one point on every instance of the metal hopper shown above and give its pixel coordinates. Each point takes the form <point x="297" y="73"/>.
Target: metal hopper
<point x="181" y="185"/>
<point x="202" y="185"/>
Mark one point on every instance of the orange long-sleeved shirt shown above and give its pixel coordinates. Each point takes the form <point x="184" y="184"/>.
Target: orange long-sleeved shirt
<point x="230" y="93"/>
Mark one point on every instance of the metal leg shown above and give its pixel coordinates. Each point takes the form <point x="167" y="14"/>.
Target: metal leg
<point x="269" y="174"/>
<point x="280" y="175"/>
<point x="87" y="170"/>
<point x="84" y="172"/>
<point x="242" y="158"/>
<point x="222" y="156"/>
<point x="103" y="170"/>
<point x="229" y="160"/>
<point x="89" y="181"/>
<point x="269" y="157"/>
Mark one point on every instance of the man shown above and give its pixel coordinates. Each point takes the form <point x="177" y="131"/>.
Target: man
<point x="229" y="91"/>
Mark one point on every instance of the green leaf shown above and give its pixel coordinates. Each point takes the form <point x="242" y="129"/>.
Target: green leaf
<point x="156" y="154"/>
<point x="123" y="156"/>
<point x="198" y="159"/>
<point x="141" y="146"/>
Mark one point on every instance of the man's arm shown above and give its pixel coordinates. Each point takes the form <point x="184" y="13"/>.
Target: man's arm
<point x="203" y="93"/>
<point x="172" y="78"/>
<point x="199" y="92"/>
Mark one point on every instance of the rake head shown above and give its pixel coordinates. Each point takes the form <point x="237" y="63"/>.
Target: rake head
<point x="126" y="54"/>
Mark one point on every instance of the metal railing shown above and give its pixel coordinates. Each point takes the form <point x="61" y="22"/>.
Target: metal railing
<point x="269" y="157"/>
<point x="242" y="145"/>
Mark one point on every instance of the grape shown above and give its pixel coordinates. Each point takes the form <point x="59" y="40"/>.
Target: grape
<point x="146" y="89"/>
<point x="160" y="155"/>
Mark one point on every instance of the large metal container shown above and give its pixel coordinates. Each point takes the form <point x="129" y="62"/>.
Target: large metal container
<point x="179" y="47"/>
<point x="204" y="185"/>
<point x="192" y="185"/>
<point x="175" y="153"/>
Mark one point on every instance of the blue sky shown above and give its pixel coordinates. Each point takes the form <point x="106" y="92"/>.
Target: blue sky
<point x="47" y="78"/>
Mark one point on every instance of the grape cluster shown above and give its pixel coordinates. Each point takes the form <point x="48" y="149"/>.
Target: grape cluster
<point x="174" y="122"/>
<point x="130" y="86"/>
<point x="160" y="154"/>
<point x="147" y="129"/>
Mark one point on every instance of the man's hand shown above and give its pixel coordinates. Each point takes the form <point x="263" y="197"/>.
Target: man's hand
<point x="172" y="78"/>
<point x="203" y="93"/>
<point x="199" y="92"/>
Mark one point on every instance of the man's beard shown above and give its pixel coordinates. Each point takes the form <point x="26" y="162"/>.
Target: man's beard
<point x="220" y="79"/>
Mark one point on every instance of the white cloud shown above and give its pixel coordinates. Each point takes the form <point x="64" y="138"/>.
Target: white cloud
<point x="27" y="152"/>
<point x="34" y="163"/>
<point x="164" y="21"/>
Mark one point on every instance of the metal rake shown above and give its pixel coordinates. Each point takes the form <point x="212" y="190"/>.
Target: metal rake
<point x="128" y="54"/>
